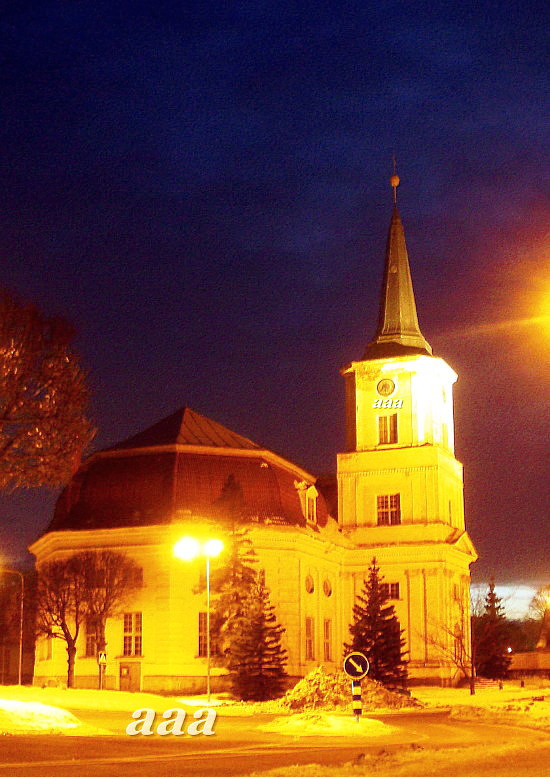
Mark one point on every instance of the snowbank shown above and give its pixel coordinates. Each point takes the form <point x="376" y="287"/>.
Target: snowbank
<point x="92" y="699"/>
<point x="332" y="691"/>
<point x="32" y="710"/>
<point x="324" y="724"/>
<point x="31" y="717"/>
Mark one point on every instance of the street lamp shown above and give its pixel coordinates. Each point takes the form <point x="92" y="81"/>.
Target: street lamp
<point x="21" y="604"/>
<point x="187" y="549"/>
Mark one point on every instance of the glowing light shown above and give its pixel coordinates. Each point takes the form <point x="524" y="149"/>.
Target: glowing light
<point x="187" y="548"/>
<point x="495" y="328"/>
<point x="212" y="548"/>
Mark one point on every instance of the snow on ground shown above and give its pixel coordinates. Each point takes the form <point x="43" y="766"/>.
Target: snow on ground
<point x="33" y="710"/>
<point x="528" y="706"/>
<point x="92" y="699"/>
<point x="325" y="724"/>
<point x="32" y="717"/>
<point x="25" y="709"/>
<point x="485" y="695"/>
<point x="487" y="760"/>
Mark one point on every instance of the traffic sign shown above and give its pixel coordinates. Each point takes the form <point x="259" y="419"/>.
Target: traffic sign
<point x="356" y="665"/>
<point x="102" y="658"/>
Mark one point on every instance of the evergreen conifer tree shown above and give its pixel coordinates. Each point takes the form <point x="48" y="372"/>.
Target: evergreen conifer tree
<point x="236" y="577"/>
<point x="257" y="658"/>
<point x="375" y="632"/>
<point x="490" y="632"/>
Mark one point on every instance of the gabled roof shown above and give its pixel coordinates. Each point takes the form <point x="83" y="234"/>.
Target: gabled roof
<point x="186" y="427"/>
<point x="398" y="332"/>
<point x="461" y="541"/>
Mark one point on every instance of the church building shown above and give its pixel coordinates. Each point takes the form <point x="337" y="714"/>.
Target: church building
<point x="398" y="498"/>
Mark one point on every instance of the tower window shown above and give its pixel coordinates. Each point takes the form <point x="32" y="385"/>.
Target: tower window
<point x="387" y="429"/>
<point x="388" y="508"/>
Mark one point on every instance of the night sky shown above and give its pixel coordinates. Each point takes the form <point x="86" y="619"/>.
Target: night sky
<point x="202" y="188"/>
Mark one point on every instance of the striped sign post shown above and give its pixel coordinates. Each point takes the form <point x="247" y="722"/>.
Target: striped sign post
<point x="356" y="703"/>
<point x="356" y="666"/>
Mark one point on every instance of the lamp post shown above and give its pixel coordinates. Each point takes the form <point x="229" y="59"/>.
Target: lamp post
<point x="187" y="549"/>
<point x="21" y="605"/>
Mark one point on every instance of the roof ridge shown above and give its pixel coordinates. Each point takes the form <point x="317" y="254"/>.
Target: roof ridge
<point x="186" y="427"/>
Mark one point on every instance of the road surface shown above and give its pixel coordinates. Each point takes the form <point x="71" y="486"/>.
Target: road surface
<point x="238" y="748"/>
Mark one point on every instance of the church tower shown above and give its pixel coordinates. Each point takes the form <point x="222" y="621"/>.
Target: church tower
<point x="399" y="483"/>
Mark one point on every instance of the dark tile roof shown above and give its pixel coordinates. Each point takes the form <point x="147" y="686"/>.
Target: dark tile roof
<point x="186" y="427"/>
<point x="128" y="487"/>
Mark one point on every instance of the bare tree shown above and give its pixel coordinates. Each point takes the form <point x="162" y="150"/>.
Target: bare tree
<point x="454" y="642"/>
<point x="87" y="588"/>
<point x="61" y="605"/>
<point x="43" y="398"/>
<point x="109" y="579"/>
<point x="476" y="637"/>
<point x="539" y="605"/>
<point x="539" y="612"/>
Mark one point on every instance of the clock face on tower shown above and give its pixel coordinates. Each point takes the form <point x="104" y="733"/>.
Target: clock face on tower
<point x="385" y="387"/>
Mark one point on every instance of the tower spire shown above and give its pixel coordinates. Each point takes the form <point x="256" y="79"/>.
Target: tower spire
<point x="398" y="332"/>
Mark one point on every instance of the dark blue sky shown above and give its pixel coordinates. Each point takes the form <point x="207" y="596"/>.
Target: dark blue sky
<point x="202" y="188"/>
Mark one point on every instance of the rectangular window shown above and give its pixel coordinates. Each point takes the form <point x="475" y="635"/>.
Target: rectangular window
<point x="45" y="650"/>
<point x="327" y="639"/>
<point x="387" y="429"/>
<point x="202" y="646"/>
<point x="388" y="508"/>
<point x="91" y="644"/>
<point x="310" y="640"/>
<point x="133" y="634"/>
<point x="137" y="577"/>
<point x="390" y="590"/>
